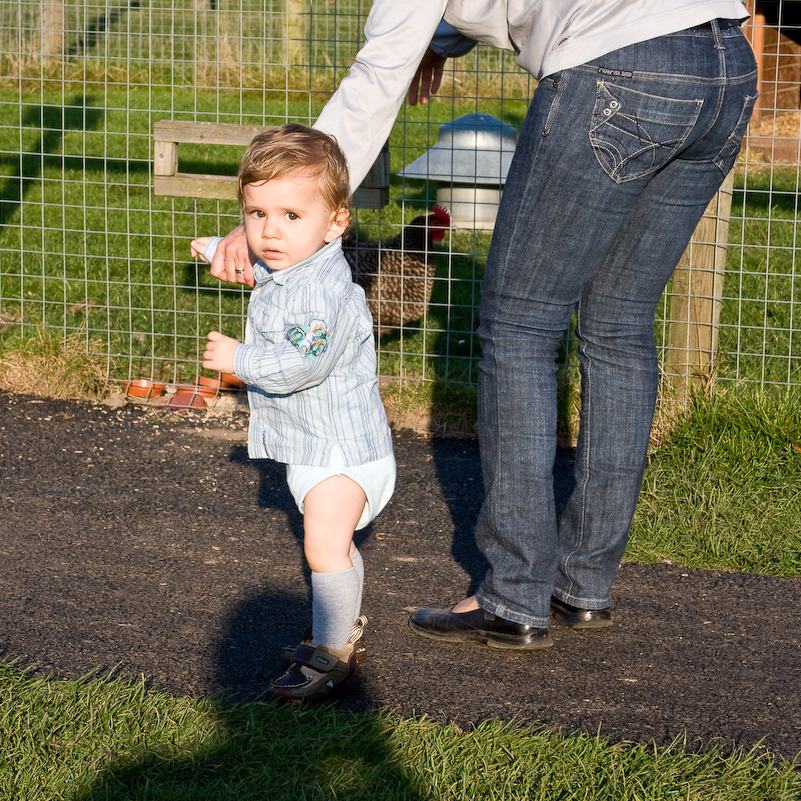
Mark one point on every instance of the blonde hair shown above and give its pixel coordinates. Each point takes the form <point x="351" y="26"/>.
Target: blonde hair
<point x="297" y="149"/>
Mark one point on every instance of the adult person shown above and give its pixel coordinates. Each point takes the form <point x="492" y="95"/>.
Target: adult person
<point x="638" y="116"/>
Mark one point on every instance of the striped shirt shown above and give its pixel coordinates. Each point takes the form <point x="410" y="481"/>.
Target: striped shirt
<point x="310" y="364"/>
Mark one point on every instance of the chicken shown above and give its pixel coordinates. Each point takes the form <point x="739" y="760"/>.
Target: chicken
<point x="397" y="275"/>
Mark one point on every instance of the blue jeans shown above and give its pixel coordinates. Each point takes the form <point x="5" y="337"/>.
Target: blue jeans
<point x="616" y="163"/>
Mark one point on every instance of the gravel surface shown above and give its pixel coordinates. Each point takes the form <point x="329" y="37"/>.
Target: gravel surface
<point x="147" y="543"/>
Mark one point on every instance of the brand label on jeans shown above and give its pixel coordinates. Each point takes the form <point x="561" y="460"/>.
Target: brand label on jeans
<point x="616" y="73"/>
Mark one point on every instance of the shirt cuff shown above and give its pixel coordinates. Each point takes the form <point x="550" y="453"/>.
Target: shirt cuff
<point x="211" y="248"/>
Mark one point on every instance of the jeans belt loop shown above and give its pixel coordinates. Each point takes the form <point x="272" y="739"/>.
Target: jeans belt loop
<point x="715" y="25"/>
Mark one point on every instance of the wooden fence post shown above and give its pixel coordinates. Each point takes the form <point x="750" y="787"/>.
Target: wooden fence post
<point x="52" y="29"/>
<point x="296" y="30"/>
<point x="696" y="296"/>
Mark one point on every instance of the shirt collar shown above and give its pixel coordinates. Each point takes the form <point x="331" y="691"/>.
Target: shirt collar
<point x="262" y="273"/>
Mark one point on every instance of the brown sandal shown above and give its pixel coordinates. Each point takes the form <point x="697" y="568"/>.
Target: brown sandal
<point x="356" y="637"/>
<point x="315" y="670"/>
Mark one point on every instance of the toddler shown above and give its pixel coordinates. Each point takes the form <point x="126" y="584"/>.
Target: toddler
<point x="310" y="365"/>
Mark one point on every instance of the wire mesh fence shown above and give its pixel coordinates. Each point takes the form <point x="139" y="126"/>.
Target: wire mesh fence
<point x="88" y="249"/>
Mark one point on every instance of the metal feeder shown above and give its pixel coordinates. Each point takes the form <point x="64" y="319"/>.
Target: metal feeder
<point x="470" y="161"/>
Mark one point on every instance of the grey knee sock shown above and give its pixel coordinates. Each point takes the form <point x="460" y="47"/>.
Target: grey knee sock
<point x="356" y="559"/>
<point x="334" y="597"/>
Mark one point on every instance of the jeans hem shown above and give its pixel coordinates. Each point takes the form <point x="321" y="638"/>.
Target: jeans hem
<point x="507" y="614"/>
<point x="582" y="603"/>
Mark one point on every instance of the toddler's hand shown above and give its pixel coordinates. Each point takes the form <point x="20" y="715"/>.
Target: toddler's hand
<point x="219" y="353"/>
<point x="199" y="245"/>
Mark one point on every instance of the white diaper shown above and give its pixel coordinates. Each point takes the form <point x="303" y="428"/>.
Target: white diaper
<point x="377" y="479"/>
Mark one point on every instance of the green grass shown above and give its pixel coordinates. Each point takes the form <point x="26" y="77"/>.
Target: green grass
<point x="236" y="43"/>
<point x="85" y="245"/>
<point x="761" y="290"/>
<point x="724" y="492"/>
<point x="105" y="739"/>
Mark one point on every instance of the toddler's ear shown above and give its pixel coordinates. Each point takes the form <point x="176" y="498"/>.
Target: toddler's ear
<point x="339" y="225"/>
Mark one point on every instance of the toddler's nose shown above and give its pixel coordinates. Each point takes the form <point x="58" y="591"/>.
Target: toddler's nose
<point x="270" y="229"/>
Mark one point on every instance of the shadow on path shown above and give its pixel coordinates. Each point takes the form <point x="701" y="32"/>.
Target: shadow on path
<point x="257" y="748"/>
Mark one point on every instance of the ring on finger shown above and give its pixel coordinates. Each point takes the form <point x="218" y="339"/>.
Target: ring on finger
<point x="239" y="272"/>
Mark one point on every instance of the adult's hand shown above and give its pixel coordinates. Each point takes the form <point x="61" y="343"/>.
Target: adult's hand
<point x="427" y="79"/>
<point x="232" y="262"/>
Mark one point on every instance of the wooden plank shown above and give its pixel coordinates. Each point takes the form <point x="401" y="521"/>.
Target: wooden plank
<point x="217" y="187"/>
<point x="696" y="296"/>
<point x="373" y="193"/>
<point x="165" y="158"/>
<point x="206" y="133"/>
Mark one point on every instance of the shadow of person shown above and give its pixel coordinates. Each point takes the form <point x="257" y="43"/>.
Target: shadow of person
<point x="458" y="469"/>
<point x="239" y="746"/>
<point x="263" y="751"/>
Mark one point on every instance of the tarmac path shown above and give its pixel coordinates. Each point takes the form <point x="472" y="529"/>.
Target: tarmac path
<point x="146" y="542"/>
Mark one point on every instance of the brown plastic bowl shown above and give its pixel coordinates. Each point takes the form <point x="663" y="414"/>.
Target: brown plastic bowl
<point x="231" y="381"/>
<point x="205" y="381"/>
<point x="186" y="400"/>
<point x="142" y="388"/>
<point x="195" y="389"/>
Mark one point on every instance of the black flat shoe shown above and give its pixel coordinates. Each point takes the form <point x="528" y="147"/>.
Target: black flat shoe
<point x="576" y="618"/>
<point x="477" y="626"/>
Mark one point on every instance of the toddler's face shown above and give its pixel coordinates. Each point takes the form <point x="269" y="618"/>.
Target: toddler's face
<point x="286" y="220"/>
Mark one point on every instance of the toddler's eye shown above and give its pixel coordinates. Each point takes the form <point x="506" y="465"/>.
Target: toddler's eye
<point x="290" y="215"/>
<point x="257" y="213"/>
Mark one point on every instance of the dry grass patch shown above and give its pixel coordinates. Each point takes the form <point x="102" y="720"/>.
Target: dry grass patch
<point x="52" y="366"/>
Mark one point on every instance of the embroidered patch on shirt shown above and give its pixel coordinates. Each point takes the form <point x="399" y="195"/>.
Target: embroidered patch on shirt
<point x="310" y="340"/>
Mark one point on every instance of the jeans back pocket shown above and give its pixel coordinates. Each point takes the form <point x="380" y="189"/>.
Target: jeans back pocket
<point x="634" y="133"/>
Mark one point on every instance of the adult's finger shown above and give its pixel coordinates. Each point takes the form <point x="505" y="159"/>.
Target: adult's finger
<point x="231" y="262"/>
<point x="427" y="78"/>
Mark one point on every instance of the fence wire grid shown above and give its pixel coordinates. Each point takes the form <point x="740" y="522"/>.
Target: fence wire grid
<point x="89" y="250"/>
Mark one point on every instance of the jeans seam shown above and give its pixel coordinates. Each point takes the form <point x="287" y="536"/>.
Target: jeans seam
<point x="716" y="35"/>
<point x="747" y="106"/>
<point x="560" y="88"/>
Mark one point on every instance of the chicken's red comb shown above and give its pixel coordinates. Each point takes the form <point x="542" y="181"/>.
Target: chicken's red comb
<point x="439" y="220"/>
<point x="441" y="216"/>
